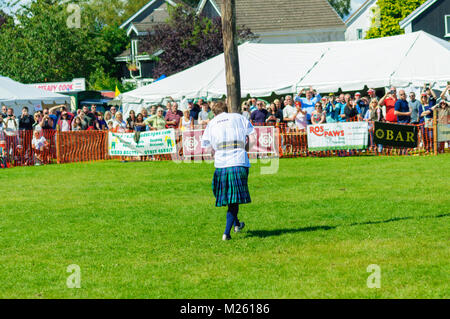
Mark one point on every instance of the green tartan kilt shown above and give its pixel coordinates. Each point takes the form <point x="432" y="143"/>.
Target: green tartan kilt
<point x="230" y="186"/>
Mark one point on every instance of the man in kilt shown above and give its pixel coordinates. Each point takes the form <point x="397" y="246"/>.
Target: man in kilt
<point x="227" y="134"/>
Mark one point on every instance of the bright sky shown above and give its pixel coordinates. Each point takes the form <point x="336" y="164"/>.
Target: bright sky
<point x="356" y="4"/>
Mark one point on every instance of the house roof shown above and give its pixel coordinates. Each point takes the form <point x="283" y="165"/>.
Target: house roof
<point x="263" y="16"/>
<point x="417" y="13"/>
<point x="358" y="12"/>
<point x="145" y="7"/>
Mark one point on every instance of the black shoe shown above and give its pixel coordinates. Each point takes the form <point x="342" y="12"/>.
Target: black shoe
<point x="241" y="226"/>
<point x="226" y="237"/>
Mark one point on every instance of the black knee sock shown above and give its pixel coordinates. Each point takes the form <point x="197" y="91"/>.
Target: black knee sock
<point x="234" y="210"/>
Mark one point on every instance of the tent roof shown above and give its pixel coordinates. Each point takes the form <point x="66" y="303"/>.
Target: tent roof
<point x="411" y="59"/>
<point x="12" y="92"/>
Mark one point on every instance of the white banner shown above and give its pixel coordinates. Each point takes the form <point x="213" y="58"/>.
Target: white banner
<point x="149" y="143"/>
<point x="58" y="87"/>
<point x="338" y="136"/>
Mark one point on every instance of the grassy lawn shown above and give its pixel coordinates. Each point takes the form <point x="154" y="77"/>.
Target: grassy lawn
<point x="150" y="230"/>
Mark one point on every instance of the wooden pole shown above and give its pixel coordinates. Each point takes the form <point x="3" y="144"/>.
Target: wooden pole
<point x="231" y="55"/>
<point x="435" y="133"/>
<point x="58" y="145"/>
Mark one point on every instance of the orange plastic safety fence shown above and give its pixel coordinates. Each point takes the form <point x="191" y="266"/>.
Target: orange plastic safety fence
<point x="81" y="146"/>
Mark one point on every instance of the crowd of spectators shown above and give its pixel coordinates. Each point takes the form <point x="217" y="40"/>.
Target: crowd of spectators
<point x="308" y="107"/>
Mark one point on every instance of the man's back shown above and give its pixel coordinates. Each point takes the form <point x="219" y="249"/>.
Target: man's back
<point x="227" y="134"/>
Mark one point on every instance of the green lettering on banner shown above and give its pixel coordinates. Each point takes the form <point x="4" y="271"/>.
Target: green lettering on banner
<point x="150" y="143"/>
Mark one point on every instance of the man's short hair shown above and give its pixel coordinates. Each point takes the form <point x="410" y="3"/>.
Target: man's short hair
<point x="25" y="108"/>
<point x="220" y="107"/>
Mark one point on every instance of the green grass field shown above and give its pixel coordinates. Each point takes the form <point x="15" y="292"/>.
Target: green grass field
<point x="150" y="230"/>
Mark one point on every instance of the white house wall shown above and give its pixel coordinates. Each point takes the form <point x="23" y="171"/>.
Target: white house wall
<point x="364" y="22"/>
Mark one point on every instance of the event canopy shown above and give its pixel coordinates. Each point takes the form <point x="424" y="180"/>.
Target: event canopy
<point x="403" y="61"/>
<point x="17" y="95"/>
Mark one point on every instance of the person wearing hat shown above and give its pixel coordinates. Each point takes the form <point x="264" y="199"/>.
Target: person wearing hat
<point x="362" y="104"/>
<point x="372" y="94"/>
<point x="228" y="135"/>
<point x="443" y="111"/>
<point x="443" y="115"/>
<point x="194" y="109"/>
<point x="432" y="98"/>
<point x="330" y="109"/>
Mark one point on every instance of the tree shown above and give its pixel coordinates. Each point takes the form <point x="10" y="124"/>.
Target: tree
<point x="391" y="12"/>
<point x="342" y="7"/>
<point x="186" y="40"/>
<point x="41" y="46"/>
<point x="118" y="11"/>
<point x="3" y="18"/>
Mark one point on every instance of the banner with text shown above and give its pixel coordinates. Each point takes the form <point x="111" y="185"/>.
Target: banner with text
<point x="396" y="135"/>
<point x="143" y="144"/>
<point x="338" y="136"/>
<point x="56" y="87"/>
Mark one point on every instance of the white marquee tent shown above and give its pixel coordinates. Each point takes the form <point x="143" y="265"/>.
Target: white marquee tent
<point x="403" y="61"/>
<point x="17" y="95"/>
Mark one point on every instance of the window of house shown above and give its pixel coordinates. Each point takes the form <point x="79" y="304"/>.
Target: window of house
<point x="447" y="25"/>
<point x="359" y="34"/>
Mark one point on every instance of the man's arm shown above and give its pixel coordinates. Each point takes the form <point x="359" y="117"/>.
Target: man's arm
<point x="447" y="88"/>
<point x="398" y="113"/>
<point x="285" y="116"/>
<point x="54" y="108"/>
<point x="381" y="102"/>
<point x="433" y="93"/>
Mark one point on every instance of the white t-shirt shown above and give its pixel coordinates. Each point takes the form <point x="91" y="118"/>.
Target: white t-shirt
<point x="65" y="126"/>
<point x="301" y="121"/>
<point x="288" y="112"/>
<point x="121" y="126"/>
<point x="226" y="134"/>
<point x="38" y="143"/>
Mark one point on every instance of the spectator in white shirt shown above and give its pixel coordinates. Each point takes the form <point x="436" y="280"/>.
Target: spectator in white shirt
<point x="289" y="113"/>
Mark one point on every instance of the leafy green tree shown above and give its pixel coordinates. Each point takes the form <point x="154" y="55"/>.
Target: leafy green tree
<point x="3" y="18"/>
<point x="342" y="7"/>
<point x="41" y="47"/>
<point x="101" y="80"/>
<point x="391" y="13"/>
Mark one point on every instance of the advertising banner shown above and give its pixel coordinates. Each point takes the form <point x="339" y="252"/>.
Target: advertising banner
<point x="338" y="136"/>
<point x="58" y="87"/>
<point x="396" y="135"/>
<point x="263" y="142"/>
<point x="192" y="144"/>
<point x="146" y="143"/>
